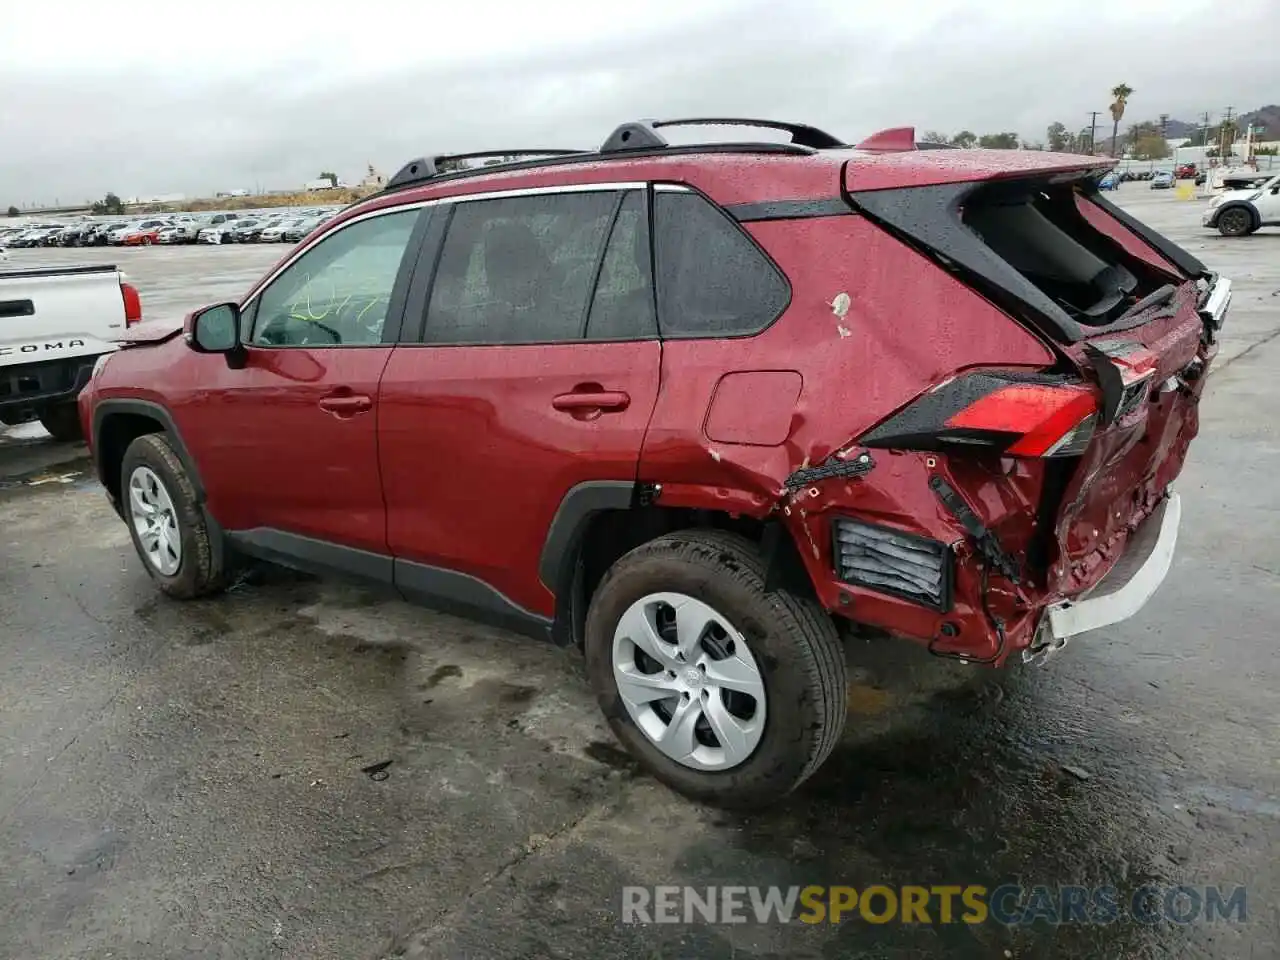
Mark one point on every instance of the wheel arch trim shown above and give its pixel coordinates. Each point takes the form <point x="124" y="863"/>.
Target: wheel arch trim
<point x="153" y="411"/>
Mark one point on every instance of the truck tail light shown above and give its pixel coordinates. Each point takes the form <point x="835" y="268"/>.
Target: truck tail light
<point x="1013" y="415"/>
<point x="132" y="304"/>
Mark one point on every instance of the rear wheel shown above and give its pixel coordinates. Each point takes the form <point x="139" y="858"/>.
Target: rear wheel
<point x="1235" y="222"/>
<point x="727" y="694"/>
<point x="165" y="521"/>
<point x="62" y="422"/>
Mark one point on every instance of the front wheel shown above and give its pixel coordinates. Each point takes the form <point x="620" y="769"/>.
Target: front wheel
<point x="1235" y="222"/>
<point x="726" y="693"/>
<point x="63" y="423"/>
<point x="165" y="520"/>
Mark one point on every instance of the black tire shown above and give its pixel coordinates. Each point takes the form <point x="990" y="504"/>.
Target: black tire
<point x="794" y="641"/>
<point x="200" y="572"/>
<point x="1235" y="222"/>
<point x="62" y="422"/>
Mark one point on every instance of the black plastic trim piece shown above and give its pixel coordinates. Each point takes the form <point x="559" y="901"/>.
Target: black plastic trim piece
<point x="393" y="328"/>
<point x="413" y="327"/>
<point x="930" y="217"/>
<point x="32" y="400"/>
<point x="463" y="595"/>
<point x="599" y="265"/>
<point x="17" y="308"/>
<point x="987" y="542"/>
<point x="156" y="412"/>
<point x="564" y="535"/>
<point x="1179" y="257"/>
<point x="428" y="168"/>
<point x="788" y="209"/>
<point x="311" y="554"/>
<point x="784" y="568"/>
<point x="832" y="467"/>
<point x="802" y="134"/>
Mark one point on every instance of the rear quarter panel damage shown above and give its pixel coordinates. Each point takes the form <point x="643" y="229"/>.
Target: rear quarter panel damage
<point x="903" y="326"/>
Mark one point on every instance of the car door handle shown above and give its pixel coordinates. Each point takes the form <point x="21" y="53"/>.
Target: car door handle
<point x="347" y="405"/>
<point x="591" y="401"/>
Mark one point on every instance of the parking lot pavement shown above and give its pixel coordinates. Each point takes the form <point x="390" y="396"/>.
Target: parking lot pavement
<point x="207" y="779"/>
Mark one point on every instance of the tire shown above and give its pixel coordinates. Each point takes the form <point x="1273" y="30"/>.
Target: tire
<point x="790" y="640"/>
<point x="62" y="422"/>
<point x="1235" y="222"/>
<point x="198" y="571"/>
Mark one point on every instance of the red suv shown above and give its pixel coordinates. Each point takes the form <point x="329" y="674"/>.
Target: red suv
<point x="694" y="409"/>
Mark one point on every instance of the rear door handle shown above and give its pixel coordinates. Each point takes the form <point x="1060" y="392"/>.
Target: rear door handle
<point x="590" y="401"/>
<point x="347" y="405"/>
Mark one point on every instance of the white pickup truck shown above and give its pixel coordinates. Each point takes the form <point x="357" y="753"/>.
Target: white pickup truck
<point x="55" y="322"/>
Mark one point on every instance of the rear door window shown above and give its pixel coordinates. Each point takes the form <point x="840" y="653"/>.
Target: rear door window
<point x="712" y="278"/>
<point x="623" y="306"/>
<point x="519" y="269"/>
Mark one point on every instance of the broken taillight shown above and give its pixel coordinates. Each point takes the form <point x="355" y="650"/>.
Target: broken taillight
<point x="132" y="304"/>
<point x="1013" y="415"/>
<point x="1041" y="420"/>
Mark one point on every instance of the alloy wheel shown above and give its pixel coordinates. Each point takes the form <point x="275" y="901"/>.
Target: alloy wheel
<point x="155" y="521"/>
<point x="689" y="681"/>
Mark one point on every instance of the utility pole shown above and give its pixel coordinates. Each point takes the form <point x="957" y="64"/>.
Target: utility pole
<point x="1093" y="129"/>
<point x="1204" y="129"/>
<point x="1164" y="125"/>
<point x="1224" y="144"/>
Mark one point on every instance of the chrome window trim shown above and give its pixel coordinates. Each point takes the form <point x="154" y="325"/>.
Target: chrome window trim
<point x="460" y="198"/>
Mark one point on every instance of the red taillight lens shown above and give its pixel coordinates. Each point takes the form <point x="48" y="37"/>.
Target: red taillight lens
<point x="132" y="304"/>
<point x="1048" y="420"/>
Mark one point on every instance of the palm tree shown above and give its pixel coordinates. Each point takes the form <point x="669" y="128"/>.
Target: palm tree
<point x="1121" y="94"/>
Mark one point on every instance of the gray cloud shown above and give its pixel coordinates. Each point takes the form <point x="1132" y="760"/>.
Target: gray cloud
<point x="72" y="136"/>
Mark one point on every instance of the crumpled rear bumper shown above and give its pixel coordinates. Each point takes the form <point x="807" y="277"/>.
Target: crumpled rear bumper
<point x="1122" y="592"/>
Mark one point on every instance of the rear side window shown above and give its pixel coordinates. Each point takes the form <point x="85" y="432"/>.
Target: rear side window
<point x="712" y="279"/>
<point x="519" y="269"/>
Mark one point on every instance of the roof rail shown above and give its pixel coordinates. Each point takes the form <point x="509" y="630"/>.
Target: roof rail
<point x="643" y="134"/>
<point x="424" y="168"/>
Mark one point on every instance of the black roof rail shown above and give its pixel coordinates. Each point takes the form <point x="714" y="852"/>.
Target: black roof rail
<point x="643" y="134"/>
<point x="424" y="168"/>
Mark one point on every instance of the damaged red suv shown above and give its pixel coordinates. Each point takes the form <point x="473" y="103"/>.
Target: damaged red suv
<point x="695" y="410"/>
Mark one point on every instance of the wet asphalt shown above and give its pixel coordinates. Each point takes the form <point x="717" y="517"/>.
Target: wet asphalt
<point x="303" y="769"/>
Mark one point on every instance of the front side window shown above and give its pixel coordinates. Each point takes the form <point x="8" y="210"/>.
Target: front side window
<point x="519" y="269"/>
<point x="338" y="292"/>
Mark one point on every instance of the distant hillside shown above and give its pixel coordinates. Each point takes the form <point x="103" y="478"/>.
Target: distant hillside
<point x="1268" y="117"/>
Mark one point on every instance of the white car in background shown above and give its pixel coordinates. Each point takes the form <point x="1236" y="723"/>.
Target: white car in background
<point x="1238" y="213"/>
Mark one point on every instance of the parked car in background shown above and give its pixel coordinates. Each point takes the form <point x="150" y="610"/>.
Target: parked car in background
<point x="301" y="228"/>
<point x="276" y="234"/>
<point x="712" y="483"/>
<point x="245" y="230"/>
<point x="1185" y="171"/>
<point x="1109" y="182"/>
<point x="1163" y="180"/>
<point x="146" y="234"/>
<point x="1238" y="213"/>
<point x="173" y="234"/>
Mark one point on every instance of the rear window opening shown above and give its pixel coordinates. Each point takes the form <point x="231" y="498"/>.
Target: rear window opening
<point x="1037" y="229"/>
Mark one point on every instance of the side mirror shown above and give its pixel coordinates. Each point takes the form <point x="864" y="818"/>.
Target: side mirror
<point x="216" y="329"/>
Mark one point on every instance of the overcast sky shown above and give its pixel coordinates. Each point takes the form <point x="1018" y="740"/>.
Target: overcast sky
<point x="147" y="97"/>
